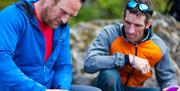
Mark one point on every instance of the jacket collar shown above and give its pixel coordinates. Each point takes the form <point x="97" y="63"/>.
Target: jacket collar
<point x="28" y="8"/>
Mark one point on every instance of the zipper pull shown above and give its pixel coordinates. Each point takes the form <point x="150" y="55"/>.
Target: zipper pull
<point x="136" y="49"/>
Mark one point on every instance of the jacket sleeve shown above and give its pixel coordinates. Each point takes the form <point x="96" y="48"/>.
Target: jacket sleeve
<point x="11" y="26"/>
<point x="98" y="56"/>
<point x="165" y="72"/>
<point x="63" y="67"/>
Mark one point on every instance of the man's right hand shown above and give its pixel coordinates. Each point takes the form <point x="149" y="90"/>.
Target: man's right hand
<point x="140" y="64"/>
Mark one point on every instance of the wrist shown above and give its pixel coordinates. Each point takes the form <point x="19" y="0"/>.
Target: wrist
<point x="132" y="59"/>
<point x="119" y="60"/>
<point x="126" y="57"/>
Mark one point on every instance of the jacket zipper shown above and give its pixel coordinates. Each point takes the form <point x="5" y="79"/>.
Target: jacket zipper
<point x="132" y="71"/>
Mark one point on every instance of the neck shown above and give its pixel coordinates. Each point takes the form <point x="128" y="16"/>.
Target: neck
<point x="38" y="7"/>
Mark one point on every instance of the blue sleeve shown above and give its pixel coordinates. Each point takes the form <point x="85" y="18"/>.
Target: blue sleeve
<point x="11" y="27"/>
<point x="63" y="67"/>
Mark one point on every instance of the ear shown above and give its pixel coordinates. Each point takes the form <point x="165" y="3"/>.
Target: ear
<point x="148" y="24"/>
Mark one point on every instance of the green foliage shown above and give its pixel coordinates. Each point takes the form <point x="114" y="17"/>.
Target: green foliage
<point x="85" y="14"/>
<point x="111" y="9"/>
<point x="108" y="9"/>
<point x="96" y="9"/>
<point x="4" y="3"/>
<point x="160" y="5"/>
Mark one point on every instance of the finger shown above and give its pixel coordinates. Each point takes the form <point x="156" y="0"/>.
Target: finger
<point x="148" y="68"/>
<point x="178" y="89"/>
<point x="143" y="70"/>
<point x="147" y="64"/>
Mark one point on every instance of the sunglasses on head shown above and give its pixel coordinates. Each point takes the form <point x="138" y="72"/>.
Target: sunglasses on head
<point x="141" y="6"/>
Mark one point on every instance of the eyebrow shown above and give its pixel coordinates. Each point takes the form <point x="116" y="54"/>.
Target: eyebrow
<point x="64" y="11"/>
<point x="132" y="23"/>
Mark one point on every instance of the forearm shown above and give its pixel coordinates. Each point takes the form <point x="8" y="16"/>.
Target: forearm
<point x="99" y="56"/>
<point x="13" y="78"/>
<point x="63" y="77"/>
<point x="100" y="62"/>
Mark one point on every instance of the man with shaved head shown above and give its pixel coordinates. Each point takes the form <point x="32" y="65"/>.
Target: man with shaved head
<point x="35" y="46"/>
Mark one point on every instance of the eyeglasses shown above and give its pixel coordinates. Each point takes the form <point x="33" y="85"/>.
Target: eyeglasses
<point x="142" y="7"/>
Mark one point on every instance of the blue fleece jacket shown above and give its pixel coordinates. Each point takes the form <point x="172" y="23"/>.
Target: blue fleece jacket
<point x="22" y="51"/>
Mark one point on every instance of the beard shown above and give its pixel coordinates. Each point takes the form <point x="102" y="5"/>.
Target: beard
<point x="46" y="19"/>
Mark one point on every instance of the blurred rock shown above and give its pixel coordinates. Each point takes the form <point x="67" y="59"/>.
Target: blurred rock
<point x="83" y="33"/>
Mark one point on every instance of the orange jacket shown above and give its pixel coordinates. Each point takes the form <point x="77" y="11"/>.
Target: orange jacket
<point x="148" y="50"/>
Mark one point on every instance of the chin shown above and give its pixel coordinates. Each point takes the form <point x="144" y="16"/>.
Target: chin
<point x="54" y="26"/>
<point x="132" y="41"/>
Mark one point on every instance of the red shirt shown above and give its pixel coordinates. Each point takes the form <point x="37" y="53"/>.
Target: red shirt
<point x="48" y="34"/>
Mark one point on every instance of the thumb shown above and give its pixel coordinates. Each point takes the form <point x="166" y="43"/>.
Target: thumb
<point x="178" y="89"/>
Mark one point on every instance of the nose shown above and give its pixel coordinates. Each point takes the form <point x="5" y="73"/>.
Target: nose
<point x="131" y="29"/>
<point x="65" y="18"/>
